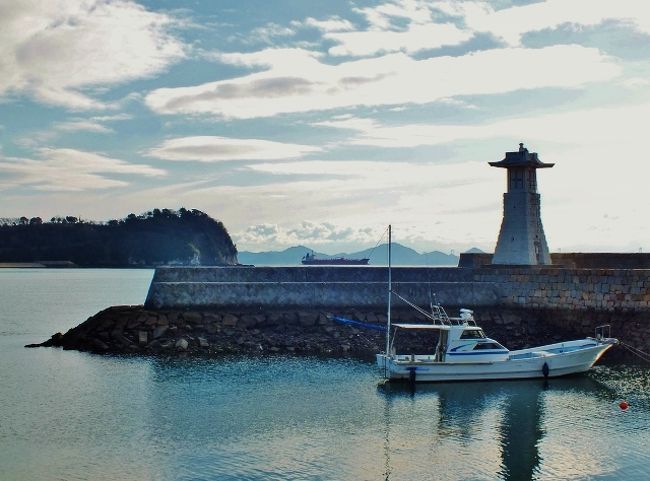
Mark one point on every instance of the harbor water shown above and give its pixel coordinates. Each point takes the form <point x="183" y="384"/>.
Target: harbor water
<point x="67" y="415"/>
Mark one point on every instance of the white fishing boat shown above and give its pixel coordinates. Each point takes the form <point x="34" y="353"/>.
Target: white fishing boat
<point x="464" y="353"/>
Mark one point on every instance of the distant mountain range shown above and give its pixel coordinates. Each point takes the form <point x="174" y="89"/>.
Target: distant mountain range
<point x="401" y="255"/>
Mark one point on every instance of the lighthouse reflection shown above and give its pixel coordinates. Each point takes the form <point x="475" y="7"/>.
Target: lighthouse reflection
<point x="470" y="430"/>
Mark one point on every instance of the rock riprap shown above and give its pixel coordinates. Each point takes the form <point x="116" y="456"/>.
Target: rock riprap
<point x="135" y="329"/>
<point x="140" y="330"/>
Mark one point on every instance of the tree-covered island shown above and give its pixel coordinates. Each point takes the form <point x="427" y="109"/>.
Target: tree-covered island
<point x="157" y="237"/>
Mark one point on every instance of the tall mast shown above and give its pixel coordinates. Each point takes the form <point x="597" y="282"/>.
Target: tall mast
<point x="390" y="291"/>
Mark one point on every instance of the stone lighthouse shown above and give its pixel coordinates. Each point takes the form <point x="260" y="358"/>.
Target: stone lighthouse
<point x="521" y="238"/>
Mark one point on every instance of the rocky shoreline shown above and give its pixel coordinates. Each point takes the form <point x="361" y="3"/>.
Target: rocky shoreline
<point x="213" y="332"/>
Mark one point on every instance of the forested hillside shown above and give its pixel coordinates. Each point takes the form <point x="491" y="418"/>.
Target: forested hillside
<point x="157" y="237"/>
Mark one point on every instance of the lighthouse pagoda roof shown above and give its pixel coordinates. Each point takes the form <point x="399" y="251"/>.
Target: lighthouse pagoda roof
<point x="521" y="158"/>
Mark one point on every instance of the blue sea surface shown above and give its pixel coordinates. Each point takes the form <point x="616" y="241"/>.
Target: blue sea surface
<point x="66" y="415"/>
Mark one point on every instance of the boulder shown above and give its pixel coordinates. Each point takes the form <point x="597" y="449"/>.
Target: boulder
<point x="182" y="344"/>
<point x="250" y="320"/>
<point x="307" y="319"/>
<point x="229" y="320"/>
<point x="193" y="317"/>
<point x="159" y="331"/>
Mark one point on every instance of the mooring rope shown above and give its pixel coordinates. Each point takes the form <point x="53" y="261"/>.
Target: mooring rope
<point x="637" y="352"/>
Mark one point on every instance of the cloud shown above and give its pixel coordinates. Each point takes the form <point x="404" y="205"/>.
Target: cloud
<point x="70" y="170"/>
<point x="54" y="50"/>
<point x="414" y="39"/>
<point x="111" y="118"/>
<point x="510" y="24"/>
<point x="269" y="33"/>
<point x="331" y="24"/>
<point x="383" y="15"/>
<point x="215" y="149"/>
<point x="81" y="125"/>
<point x="93" y="124"/>
<point x="621" y="124"/>
<point x="296" y="80"/>
<point x="305" y="232"/>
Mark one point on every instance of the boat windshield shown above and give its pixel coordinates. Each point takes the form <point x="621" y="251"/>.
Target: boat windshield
<point x="488" y="345"/>
<point x="472" y="334"/>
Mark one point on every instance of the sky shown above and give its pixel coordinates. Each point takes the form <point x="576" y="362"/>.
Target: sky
<point x="298" y="122"/>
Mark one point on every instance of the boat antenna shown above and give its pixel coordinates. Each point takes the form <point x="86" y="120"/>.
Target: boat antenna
<point x="390" y="294"/>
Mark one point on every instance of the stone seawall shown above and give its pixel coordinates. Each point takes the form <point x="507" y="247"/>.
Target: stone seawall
<point x="573" y="260"/>
<point x="286" y="310"/>
<point x="609" y="290"/>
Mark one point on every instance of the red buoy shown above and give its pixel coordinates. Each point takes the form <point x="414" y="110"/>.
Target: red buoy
<point x="623" y="405"/>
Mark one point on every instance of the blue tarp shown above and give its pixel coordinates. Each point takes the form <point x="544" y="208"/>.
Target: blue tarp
<point x="364" y="325"/>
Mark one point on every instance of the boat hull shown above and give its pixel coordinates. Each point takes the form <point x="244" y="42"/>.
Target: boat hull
<point x="419" y="369"/>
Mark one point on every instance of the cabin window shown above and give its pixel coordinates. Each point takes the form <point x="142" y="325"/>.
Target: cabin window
<point x="472" y="334"/>
<point x="487" y="345"/>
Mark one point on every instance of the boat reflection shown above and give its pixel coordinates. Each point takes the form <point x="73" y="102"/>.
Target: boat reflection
<point x="469" y="418"/>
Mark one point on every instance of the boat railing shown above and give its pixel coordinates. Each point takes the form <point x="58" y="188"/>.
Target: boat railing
<point x="603" y="332"/>
<point x="459" y="321"/>
<point x="439" y="315"/>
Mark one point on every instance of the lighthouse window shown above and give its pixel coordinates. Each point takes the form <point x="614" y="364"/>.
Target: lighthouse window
<point x="472" y="334"/>
<point x="516" y="179"/>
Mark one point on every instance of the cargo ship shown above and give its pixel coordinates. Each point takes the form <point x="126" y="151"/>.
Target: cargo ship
<point x="311" y="260"/>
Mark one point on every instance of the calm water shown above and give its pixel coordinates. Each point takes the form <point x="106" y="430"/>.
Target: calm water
<point x="68" y="415"/>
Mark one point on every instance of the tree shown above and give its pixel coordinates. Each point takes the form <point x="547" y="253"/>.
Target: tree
<point x="23" y="220"/>
<point x="35" y="221"/>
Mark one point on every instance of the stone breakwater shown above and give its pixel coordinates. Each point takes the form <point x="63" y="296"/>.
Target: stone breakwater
<point x="611" y="290"/>
<point x="285" y="310"/>
<point x="140" y="330"/>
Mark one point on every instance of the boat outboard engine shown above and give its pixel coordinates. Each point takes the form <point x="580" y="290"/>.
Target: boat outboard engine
<point x="466" y="315"/>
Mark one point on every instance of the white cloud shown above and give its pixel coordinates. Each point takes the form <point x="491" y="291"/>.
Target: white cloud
<point x="332" y="24"/>
<point x="296" y="81"/>
<point x="614" y="125"/>
<point x="415" y="38"/>
<point x="421" y="31"/>
<point x="360" y="198"/>
<point x="81" y="125"/>
<point x="510" y="24"/>
<point x="55" y="49"/>
<point x="268" y="33"/>
<point x="70" y="170"/>
<point x="215" y="149"/>
<point x="305" y="232"/>
<point x="111" y="118"/>
<point x="382" y="15"/>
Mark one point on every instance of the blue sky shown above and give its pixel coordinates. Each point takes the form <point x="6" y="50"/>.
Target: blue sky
<point x="318" y="123"/>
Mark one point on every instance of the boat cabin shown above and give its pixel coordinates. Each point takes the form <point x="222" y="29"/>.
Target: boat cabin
<point x="459" y="340"/>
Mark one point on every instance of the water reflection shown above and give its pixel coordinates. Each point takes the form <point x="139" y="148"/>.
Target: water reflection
<point x="510" y="416"/>
<point x="294" y="419"/>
